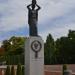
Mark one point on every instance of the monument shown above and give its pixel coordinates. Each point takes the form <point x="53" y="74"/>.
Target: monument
<point x="34" y="46"/>
<point x="33" y="18"/>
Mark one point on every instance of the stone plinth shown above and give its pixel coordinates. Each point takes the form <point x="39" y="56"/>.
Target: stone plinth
<point x="34" y="56"/>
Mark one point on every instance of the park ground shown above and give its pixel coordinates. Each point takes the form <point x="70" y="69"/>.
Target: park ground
<point x="57" y="69"/>
<point x="51" y="69"/>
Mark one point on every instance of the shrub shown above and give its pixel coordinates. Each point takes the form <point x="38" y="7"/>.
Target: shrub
<point x="64" y="68"/>
<point x="23" y="70"/>
<point x="7" y="72"/>
<point x="19" y="70"/>
<point x="12" y="70"/>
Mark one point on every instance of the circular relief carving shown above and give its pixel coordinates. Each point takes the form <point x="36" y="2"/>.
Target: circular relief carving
<point x="36" y="46"/>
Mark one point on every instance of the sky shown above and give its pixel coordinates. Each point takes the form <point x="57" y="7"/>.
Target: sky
<point x="55" y="17"/>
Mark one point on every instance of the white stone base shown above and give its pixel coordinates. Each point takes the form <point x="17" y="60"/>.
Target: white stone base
<point x="34" y="66"/>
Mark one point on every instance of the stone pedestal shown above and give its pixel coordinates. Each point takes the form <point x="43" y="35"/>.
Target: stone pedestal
<point x="34" y="56"/>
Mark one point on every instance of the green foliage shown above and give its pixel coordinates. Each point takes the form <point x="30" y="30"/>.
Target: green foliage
<point x="64" y="68"/>
<point x="15" y="45"/>
<point x="6" y="45"/>
<point x="14" y="59"/>
<point x="7" y="72"/>
<point x="23" y="70"/>
<point x="61" y="51"/>
<point x="49" y="49"/>
<point x="12" y="70"/>
<point x="66" y="49"/>
<point x="19" y="70"/>
<point x="14" y="50"/>
<point x="71" y="34"/>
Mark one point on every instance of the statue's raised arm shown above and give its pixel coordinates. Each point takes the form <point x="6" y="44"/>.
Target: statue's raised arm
<point x="38" y="7"/>
<point x="29" y="6"/>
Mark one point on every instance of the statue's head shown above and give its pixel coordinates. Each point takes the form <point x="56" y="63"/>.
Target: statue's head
<point x="33" y="4"/>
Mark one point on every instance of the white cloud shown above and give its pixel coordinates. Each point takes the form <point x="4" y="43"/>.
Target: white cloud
<point x="52" y="9"/>
<point x="58" y="32"/>
<point x="16" y="11"/>
<point x="13" y="14"/>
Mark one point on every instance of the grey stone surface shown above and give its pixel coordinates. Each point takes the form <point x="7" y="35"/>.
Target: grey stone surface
<point x="34" y="66"/>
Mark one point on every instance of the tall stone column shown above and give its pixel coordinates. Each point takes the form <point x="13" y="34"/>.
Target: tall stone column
<point x="34" y="56"/>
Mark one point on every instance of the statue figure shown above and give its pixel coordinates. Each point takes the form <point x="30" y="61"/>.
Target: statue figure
<point x="33" y="18"/>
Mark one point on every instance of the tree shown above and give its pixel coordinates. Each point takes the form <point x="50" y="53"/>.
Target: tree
<point x="17" y="44"/>
<point x="19" y="70"/>
<point x="2" y="51"/>
<point x="12" y="70"/>
<point x="61" y="48"/>
<point x="71" y="34"/>
<point x="13" y="47"/>
<point x="61" y="51"/>
<point x="7" y="72"/>
<point x="49" y="49"/>
<point x="23" y="70"/>
<point x="64" y="69"/>
<point x="65" y="47"/>
<point x="6" y="45"/>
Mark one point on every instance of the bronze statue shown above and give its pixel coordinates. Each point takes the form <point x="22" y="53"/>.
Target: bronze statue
<point x="33" y="18"/>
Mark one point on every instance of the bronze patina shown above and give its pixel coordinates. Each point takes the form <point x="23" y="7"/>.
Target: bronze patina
<point x="33" y="9"/>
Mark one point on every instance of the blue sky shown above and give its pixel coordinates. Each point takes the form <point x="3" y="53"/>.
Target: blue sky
<point x="55" y="17"/>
